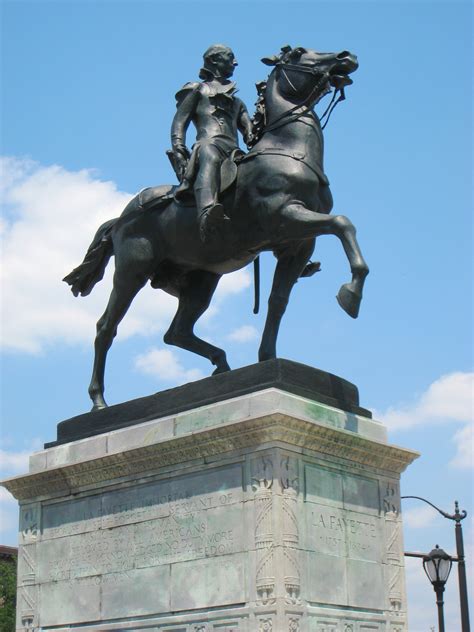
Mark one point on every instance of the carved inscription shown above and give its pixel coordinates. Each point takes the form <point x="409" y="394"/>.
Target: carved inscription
<point x="180" y="497"/>
<point x="166" y="540"/>
<point x="344" y="533"/>
<point x="161" y="523"/>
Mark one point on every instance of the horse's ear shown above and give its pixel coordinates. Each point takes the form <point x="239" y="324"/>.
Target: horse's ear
<point x="270" y="61"/>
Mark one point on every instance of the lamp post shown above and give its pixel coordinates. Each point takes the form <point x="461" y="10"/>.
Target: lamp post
<point x="437" y="565"/>
<point x="457" y="517"/>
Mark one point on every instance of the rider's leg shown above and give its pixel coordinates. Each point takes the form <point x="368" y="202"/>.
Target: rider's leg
<point x="298" y="222"/>
<point x="194" y="298"/>
<point x="291" y="263"/>
<point x="206" y="189"/>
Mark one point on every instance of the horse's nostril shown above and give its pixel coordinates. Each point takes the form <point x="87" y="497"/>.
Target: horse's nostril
<point x="343" y="55"/>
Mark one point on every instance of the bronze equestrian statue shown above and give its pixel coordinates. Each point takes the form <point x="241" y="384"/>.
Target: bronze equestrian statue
<point x="280" y="202"/>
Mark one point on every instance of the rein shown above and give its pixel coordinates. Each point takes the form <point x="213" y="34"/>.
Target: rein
<point x="281" y="120"/>
<point x="324" y="78"/>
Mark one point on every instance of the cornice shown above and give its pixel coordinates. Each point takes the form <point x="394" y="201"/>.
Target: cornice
<point x="211" y="442"/>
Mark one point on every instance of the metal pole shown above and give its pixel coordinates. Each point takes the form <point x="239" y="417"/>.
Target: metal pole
<point x="457" y="517"/>
<point x="439" y="590"/>
<point x="465" y="626"/>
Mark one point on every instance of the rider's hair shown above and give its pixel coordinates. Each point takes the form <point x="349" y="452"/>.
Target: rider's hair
<point x="207" y="71"/>
<point x="215" y="49"/>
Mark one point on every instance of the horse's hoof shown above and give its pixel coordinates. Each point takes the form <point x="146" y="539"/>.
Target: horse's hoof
<point x="221" y="369"/>
<point x="349" y="300"/>
<point x="98" y="407"/>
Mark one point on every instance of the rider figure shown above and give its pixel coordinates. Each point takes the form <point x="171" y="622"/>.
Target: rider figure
<point x="217" y="115"/>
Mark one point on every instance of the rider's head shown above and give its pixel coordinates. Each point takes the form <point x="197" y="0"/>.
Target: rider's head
<point x="219" y="61"/>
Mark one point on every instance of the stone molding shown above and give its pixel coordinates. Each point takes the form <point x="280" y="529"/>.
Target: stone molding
<point x="275" y="427"/>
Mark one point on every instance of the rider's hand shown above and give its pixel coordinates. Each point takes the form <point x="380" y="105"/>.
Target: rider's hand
<point x="182" y="155"/>
<point x="249" y="140"/>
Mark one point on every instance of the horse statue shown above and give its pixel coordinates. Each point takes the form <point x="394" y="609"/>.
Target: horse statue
<point x="280" y="201"/>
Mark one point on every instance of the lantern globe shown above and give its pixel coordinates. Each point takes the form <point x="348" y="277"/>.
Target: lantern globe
<point x="437" y="565"/>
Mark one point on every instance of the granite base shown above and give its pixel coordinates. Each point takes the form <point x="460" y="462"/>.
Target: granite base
<point x="266" y="512"/>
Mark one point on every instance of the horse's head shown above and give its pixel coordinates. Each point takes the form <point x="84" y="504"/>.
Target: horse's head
<point x="303" y="73"/>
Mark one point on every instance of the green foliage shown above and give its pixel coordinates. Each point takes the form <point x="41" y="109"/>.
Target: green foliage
<point x="7" y="595"/>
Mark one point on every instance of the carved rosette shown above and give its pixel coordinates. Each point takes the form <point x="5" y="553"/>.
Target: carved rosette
<point x="289" y="483"/>
<point x="265" y="625"/>
<point x="293" y="624"/>
<point x="393" y="539"/>
<point x="262" y="482"/>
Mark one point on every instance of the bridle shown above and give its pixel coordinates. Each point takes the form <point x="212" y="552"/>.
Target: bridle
<point x="287" y="117"/>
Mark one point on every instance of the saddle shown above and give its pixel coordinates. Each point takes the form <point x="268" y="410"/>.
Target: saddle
<point x="155" y="198"/>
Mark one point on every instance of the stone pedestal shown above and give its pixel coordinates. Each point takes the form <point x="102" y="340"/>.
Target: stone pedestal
<point x="264" y="512"/>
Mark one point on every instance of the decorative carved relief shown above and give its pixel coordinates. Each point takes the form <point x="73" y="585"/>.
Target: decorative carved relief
<point x="266" y="625"/>
<point x="394" y="553"/>
<point x="29" y="522"/>
<point x="293" y="624"/>
<point x="262" y="482"/>
<point x="290" y="486"/>
<point x="26" y="586"/>
<point x="28" y="624"/>
<point x="391" y="499"/>
<point x="200" y="627"/>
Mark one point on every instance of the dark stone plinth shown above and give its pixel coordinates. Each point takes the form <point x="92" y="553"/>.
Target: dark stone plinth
<point x="286" y="375"/>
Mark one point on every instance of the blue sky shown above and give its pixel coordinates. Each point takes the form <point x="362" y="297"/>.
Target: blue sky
<point x="87" y="102"/>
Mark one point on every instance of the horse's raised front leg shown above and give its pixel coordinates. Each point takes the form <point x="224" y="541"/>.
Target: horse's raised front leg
<point x="194" y="298"/>
<point x="298" y="222"/>
<point x="126" y="286"/>
<point x="292" y="260"/>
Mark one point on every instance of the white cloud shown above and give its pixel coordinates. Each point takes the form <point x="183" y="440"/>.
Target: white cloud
<point x="464" y="441"/>
<point x="246" y="333"/>
<point x="8" y="517"/>
<point x="163" y="364"/>
<point x="450" y="399"/>
<point x="6" y="497"/>
<point x="50" y="217"/>
<point x="14" y="462"/>
<point x="419" y="517"/>
<point x="233" y="283"/>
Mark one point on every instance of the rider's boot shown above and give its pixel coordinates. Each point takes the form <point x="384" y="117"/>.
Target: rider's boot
<point x="211" y="214"/>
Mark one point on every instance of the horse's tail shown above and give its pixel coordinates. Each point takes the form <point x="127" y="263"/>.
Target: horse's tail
<point x="83" y="278"/>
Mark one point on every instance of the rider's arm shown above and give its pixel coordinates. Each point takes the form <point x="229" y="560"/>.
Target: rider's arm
<point x="187" y="100"/>
<point x="244" y="123"/>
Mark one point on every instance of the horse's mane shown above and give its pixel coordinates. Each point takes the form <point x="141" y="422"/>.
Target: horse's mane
<point x="259" y="118"/>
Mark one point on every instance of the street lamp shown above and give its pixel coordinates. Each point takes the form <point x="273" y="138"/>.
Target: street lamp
<point x="437" y="565"/>
<point x="457" y="517"/>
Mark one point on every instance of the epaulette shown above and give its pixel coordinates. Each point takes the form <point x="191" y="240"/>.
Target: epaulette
<point x="185" y="90"/>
